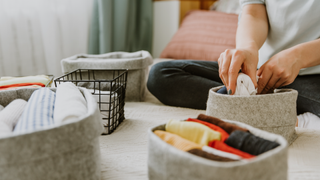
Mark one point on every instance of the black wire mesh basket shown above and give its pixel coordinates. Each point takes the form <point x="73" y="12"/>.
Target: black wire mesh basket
<point x="108" y="87"/>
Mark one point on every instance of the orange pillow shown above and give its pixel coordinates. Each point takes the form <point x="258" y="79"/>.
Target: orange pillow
<point x="203" y="35"/>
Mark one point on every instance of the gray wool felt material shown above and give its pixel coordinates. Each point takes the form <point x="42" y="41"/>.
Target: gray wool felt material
<point x="137" y="64"/>
<point x="166" y="162"/>
<point x="275" y="112"/>
<point x="69" y="151"/>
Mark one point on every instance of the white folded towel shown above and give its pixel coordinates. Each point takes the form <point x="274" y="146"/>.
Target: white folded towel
<point x="70" y="104"/>
<point x="220" y="153"/>
<point x="104" y="104"/>
<point x="38" y="113"/>
<point x="12" y="112"/>
<point x="245" y="86"/>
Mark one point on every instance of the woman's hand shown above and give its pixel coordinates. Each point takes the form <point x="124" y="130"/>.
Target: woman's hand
<point x="231" y="61"/>
<point x="280" y="70"/>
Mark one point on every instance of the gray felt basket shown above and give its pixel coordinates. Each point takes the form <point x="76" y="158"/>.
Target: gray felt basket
<point x="274" y="112"/>
<point x="137" y="63"/>
<point x="66" y="152"/>
<point x="166" y="162"/>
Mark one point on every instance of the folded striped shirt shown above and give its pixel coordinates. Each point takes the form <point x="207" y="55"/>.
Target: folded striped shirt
<point x="38" y="113"/>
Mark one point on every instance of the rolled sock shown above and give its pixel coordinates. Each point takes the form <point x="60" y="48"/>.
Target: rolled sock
<point x="177" y="141"/>
<point x="1" y="108"/>
<point x="199" y="152"/>
<point x="70" y="103"/>
<point x="192" y="131"/>
<point x="223" y="90"/>
<point x="38" y="113"/>
<point x="224" y="147"/>
<point x="309" y="121"/>
<point x="12" y="112"/>
<point x="220" y="153"/>
<point x="250" y="143"/>
<point x="245" y="86"/>
<point x="228" y="127"/>
<point x="224" y="134"/>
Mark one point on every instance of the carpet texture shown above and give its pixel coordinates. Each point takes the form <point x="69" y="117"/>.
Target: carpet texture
<point x="124" y="152"/>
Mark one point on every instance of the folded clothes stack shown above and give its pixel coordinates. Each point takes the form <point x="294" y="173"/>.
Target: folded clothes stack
<point x="10" y="83"/>
<point x="43" y="110"/>
<point x="106" y="96"/>
<point x="214" y="139"/>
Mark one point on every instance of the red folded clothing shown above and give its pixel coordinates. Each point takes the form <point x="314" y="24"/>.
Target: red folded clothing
<point x="224" y="134"/>
<point x="224" y="147"/>
<point x="21" y="85"/>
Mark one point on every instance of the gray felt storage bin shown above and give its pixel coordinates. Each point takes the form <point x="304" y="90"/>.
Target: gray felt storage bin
<point x="66" y="152"/>
<point x="166" y="162"/>
<point x="275" y="112"/>
<point x="137" y="63"/>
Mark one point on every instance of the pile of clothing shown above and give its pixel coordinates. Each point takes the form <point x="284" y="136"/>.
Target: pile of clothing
<point x="43" y="110"/>
<point x="11" y="83"/>
<point x="107" y="98"/>
<point x="214" y="139"/>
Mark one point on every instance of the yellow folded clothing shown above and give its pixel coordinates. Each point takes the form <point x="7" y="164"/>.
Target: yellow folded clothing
<point x="177" y="141"/>
<point x="192" y="131"/>
<point x="27" y="79"/>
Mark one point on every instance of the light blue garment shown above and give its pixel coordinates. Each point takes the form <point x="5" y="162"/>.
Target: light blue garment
<point x="291" y="22"/>
<point x="38" y="113"/>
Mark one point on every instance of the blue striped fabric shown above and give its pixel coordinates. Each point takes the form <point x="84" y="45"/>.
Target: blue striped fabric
<point x="38" y="113"/>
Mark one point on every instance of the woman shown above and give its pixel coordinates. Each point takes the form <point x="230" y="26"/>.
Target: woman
<point x="280" y="38"/>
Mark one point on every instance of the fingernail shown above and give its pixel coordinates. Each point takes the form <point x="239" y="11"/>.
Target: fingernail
<point x="229" y="92"/>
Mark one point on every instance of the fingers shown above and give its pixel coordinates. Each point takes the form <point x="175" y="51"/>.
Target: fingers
<point x="235" y="65"/>
<point x="264" y="80"/>
<point x="224" y="66"/>
<point x="270" y="86"/>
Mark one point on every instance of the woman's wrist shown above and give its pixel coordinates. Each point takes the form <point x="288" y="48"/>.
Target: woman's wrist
<point x="307" y="53"/>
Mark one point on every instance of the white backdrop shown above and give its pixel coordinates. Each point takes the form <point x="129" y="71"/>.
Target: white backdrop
<point x="36" y="34"/>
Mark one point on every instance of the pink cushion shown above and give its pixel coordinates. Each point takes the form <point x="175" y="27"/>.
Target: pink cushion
<point x="203" y="35"/>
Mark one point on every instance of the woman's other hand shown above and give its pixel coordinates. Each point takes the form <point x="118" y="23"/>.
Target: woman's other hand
<point x="280" y="70"/>
<point x="231" y="61"/>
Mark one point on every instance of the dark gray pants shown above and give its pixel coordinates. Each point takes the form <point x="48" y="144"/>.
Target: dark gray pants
<point x="186" y="83"/>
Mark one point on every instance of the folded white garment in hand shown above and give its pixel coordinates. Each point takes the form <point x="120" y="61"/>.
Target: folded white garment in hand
<point x="70" y="103"/>
<point x="245" y="86"/>
<point x="309" y="121"/>
<point x="12" y="112"/>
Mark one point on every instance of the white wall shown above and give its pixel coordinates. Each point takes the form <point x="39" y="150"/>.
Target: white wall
<point x="166" y="15"/>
